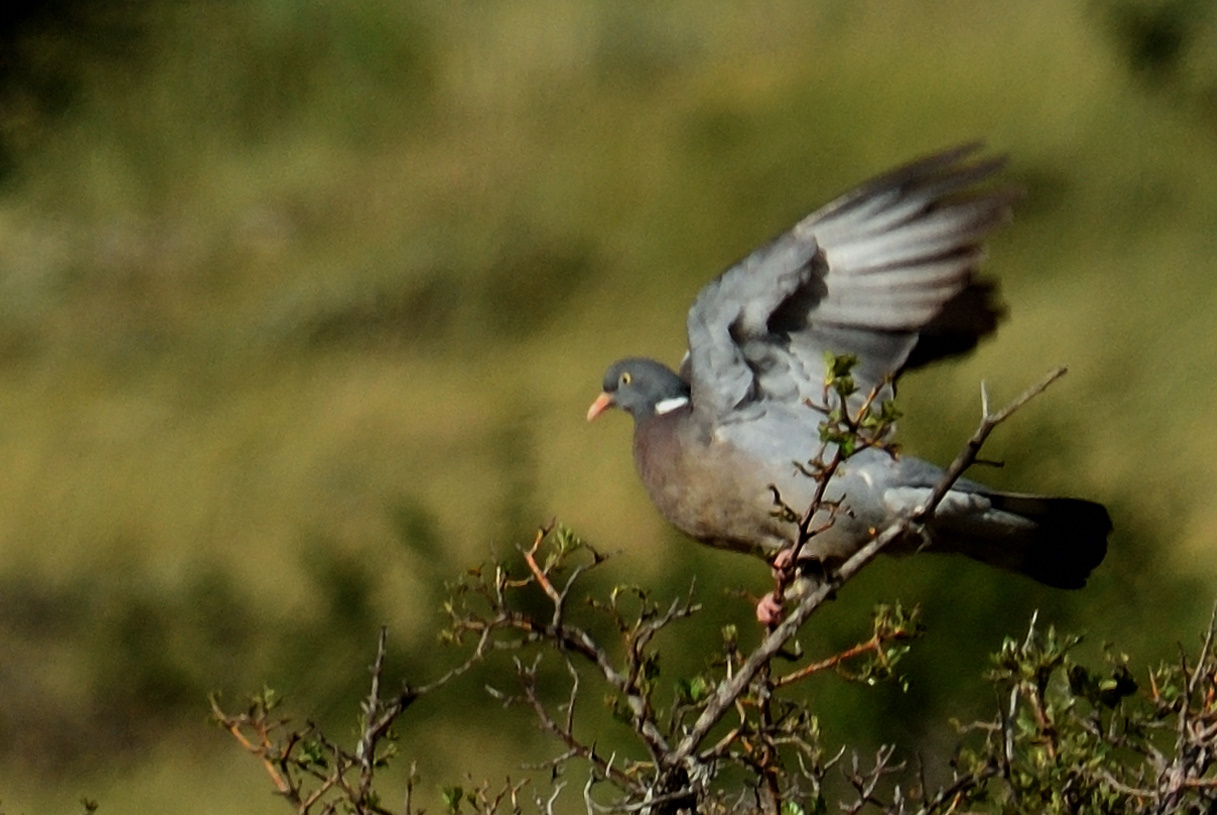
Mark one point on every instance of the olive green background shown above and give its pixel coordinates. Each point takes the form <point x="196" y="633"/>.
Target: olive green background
<point x="302" y="304"/>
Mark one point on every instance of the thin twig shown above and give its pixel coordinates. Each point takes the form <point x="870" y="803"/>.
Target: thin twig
<point x="374" y="727"/>
<point x="539" y="573"/>
<point x="988" y="421"/>
<point x="873" y="644"/>
<point x="261" y="751"/>
<point x="528" y="677"/>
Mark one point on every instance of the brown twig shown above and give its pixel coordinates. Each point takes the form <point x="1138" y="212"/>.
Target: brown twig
<point x="530" y="557"/>
<point x="823" y="471"/>
<point x="874" y="644"/>
<point x="261" y="751"/>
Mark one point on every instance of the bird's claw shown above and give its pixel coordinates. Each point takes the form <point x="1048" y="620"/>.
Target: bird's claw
<point x="769" y="609"/>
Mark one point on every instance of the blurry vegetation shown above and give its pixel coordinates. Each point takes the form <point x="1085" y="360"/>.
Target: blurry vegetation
<point x="301" y="304"/>
<point x="1160" y="38"/>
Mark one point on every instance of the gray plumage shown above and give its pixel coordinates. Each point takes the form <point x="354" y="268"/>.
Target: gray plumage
<point x="886" y="273"/>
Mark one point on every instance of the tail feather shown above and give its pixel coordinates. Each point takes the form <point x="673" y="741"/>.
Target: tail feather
<point x="1057" y="541"/>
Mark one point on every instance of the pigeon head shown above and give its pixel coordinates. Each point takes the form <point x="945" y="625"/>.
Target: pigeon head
<point x="642" y="388"/>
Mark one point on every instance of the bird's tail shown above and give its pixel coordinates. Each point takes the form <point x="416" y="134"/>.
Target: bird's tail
<point x="1057" y="541"/>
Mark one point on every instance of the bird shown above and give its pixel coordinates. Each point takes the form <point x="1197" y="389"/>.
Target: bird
<point x="886" y="277"/>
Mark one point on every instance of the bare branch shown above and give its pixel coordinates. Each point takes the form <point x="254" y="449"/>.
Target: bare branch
<point x="565" y="733"/>
<point x="988" y="422"/>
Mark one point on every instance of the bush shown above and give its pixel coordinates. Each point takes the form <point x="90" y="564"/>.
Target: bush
<point x="739" y="737"/>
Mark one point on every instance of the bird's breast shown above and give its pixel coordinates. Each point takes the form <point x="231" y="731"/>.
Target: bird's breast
<point x="706" y="488"/>
<point x="718" y="491"/>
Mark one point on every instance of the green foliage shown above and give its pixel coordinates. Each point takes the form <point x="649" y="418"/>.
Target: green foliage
<point x="1073" y="739"/>
<point x="851" y="425"/>
<point x="838" y="373"/>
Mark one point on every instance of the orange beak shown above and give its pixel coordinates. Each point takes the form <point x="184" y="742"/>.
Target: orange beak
<point x="603" y="402"/>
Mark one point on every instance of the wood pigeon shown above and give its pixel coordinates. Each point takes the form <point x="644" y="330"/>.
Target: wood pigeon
<point x="886" y="274"/>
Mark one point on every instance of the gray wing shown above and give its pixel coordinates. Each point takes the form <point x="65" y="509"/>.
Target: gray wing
<point x="886" y="273"/>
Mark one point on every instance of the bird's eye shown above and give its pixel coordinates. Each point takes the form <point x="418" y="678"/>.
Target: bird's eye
<point x="625" y="378"/>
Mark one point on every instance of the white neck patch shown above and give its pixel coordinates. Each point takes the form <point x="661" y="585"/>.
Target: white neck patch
<point x="668" y="405"/>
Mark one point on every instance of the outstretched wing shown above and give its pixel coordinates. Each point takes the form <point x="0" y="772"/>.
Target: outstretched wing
<point x="886" y="273"/>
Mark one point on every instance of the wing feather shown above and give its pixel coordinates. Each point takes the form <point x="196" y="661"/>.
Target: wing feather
<point x="886" y="272"/>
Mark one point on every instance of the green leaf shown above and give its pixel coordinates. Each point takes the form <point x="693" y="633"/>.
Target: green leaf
<point x="312" y="754"/>
<point x="452" y="797"/>
<point x="693" y="690"/>
<point x="837" y="366"/>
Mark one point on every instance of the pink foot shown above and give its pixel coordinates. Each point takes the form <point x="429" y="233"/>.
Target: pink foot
<point x="769" y="609"/>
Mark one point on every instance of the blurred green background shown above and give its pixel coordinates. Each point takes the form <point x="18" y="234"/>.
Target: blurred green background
<point x="302" y="303"/>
